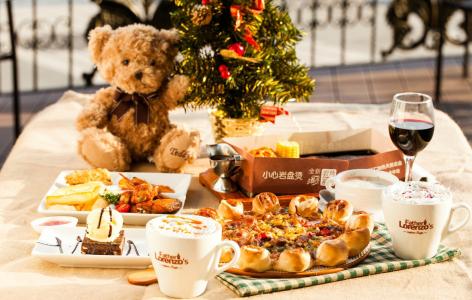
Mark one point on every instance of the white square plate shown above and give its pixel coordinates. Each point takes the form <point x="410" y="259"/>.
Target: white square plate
<point x="178" y="182"/>
<point x="46" y="248"/>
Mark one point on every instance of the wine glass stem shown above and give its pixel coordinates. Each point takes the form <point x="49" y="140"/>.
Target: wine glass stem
<point x="409" y="160"/>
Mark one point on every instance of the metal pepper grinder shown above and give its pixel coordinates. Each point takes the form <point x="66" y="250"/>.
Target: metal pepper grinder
<point x="226" y="163"/>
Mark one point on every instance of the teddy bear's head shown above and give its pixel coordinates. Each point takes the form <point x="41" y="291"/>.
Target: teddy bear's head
<point x="136" y="58"/>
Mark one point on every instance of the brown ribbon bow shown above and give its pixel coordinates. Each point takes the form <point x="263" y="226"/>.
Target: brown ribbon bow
<point x="140" y="102"/>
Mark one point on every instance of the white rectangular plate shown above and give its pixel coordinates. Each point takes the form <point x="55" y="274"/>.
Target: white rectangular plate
<point x="178" y="182"/>
<point x="68" y="237"/>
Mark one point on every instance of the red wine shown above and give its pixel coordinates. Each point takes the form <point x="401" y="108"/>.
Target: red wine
<point x="411" y="136"/>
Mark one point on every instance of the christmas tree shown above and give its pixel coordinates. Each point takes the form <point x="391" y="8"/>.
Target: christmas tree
<point x="239" y="54"/>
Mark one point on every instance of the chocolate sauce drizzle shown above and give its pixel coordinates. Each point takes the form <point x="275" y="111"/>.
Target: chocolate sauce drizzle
<point x="131" y="245"/>
<point x="79" y="240"/>
<point x="111" y="219"/>
<point x="59" y="244"/>
<point x="100" y="219"/>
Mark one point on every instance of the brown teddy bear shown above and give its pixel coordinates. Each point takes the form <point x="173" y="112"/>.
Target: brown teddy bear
<point x="129" y="120"/>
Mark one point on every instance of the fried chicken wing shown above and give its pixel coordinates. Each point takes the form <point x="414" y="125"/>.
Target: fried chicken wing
<point x="145" y="197"/>
<point x="166" y="206"/>
<point x="164" y="189"/>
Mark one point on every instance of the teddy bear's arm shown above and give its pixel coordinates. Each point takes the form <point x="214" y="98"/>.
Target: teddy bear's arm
<point x="95" y="113"/>
<point x="175" y="90"/>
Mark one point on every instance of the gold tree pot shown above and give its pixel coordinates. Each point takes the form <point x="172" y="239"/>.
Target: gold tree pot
<point x="228" y="127"/>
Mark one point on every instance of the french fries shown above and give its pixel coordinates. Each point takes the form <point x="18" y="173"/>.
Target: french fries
<point x="81" y="196"/>
<point x="92" y="186"/>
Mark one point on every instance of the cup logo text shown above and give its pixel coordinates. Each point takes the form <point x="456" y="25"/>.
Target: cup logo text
<point x="415" y="227"/>
<point x="170" y="261"/>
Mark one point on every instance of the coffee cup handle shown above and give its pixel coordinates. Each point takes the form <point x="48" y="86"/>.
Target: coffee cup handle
<point x="330" y="184"/>
<point x="464" y="221"/>
<point x="217" y="269"/>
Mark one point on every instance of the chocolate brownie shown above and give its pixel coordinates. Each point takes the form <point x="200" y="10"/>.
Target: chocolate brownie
<point x="103" y="248"/>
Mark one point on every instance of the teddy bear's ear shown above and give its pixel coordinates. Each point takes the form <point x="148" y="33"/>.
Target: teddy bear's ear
<point x="97" y="39"/>
<point x="171" y="36"/>
<point x="168" y="39"/>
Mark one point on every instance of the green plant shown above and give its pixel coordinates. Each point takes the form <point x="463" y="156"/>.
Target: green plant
<point x="239" y="54"/>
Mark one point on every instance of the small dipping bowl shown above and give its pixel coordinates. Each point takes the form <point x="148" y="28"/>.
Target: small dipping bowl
<point x="53" y="222"/>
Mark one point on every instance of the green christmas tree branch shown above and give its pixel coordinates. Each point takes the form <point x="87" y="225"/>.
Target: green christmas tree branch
<point x="276" y="75"/>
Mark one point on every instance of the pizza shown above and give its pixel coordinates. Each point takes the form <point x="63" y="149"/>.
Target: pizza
<point x="294" y="238"/>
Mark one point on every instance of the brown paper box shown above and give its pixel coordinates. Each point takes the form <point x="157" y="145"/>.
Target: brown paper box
<point x="308" y="174"/>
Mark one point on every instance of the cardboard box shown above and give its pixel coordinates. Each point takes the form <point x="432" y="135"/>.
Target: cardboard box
<point x="324" y="155"/>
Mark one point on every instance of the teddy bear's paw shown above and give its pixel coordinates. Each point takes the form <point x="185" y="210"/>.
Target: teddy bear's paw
<point x="89" y="118"/>
<point x="176" y="90"/>
<point x="102" y="149"/>
<point x="181" y="81"/>
<point x="178" y="148"/>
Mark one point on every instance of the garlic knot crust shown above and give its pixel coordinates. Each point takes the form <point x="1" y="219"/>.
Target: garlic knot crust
<point x="360" y="220"/>
<point x="254" y="258"/>
<point x="305" y="206"/>
<point x="230" y="210"/>
<point x="265" y="203"/>
<point x="332" y="253"/>
<point x="339" y="211"/>
<point x="293" y="260"/>
<point x="294" y="238"/>
<point x="356" y="240"/>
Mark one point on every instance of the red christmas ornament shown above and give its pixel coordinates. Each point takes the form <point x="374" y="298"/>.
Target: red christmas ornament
<point x="224" y="72"/>
<point x="259" y="4"/>
<point x="250" y="39"/>
<point x="235" y="11"/>
<point x="238" y="48"/>
<point x="205" y="2"/>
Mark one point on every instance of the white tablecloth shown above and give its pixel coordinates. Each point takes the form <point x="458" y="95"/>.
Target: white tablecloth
<point x="48" y="145"/>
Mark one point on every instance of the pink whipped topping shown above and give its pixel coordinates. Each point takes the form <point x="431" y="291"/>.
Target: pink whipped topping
<point x="417" y="192"/>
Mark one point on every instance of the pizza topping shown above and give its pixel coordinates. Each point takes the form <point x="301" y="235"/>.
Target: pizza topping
<point x="325" y="231"/>
<point x="303" y="239"/>
<point x="281" y="242"/>
<point x="264" y="237"/>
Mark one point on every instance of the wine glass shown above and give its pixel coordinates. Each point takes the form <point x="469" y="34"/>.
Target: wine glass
<point x="411" y="125"/>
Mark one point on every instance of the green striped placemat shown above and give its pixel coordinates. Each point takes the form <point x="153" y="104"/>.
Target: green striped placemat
<point x="381" y="259"/>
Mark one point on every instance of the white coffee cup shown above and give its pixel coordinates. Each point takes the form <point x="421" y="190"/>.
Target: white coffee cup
<point x="418" y="217"/>
<point x="361" y="187"/>
<point x="185" y="252"/>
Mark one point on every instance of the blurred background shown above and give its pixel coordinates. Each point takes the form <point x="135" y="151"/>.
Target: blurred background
<point x="360" y="51"/>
